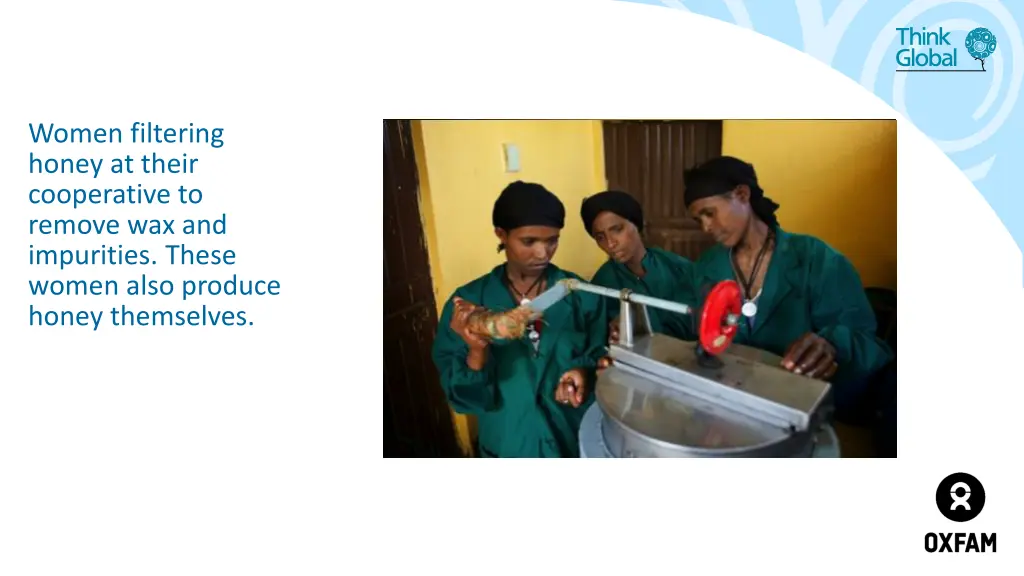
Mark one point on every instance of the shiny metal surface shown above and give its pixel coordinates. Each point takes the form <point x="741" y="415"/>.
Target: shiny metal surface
<point x="657" y="401"/>
<point x="749" y="383"/>
<point x="592" y="444"/>
<point x="629" y="296"/>
<point x="549" y="298"/>
<point x="674" y="420"/>
<point x="561" y="289"/>
<point x="634" y="322"/>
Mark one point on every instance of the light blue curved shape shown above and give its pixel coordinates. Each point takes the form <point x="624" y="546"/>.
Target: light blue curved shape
<point x="973" y="118"/>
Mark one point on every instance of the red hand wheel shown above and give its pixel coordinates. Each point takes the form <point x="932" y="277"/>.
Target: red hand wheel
<point x="719" y="317"/>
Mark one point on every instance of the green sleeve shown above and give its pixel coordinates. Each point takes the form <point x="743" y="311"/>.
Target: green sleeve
<point x="593" y="313"/>
<point x="468" y="391"/>
<point x="842" y="314"/>
<point x="682" y="326"/>
<point x="605" y="276"/>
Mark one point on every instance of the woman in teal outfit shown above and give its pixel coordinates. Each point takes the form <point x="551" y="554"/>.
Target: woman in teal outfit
<point x="615" y="220"/>
<point x="530" y="394"/>
<point x="803" y="300"/>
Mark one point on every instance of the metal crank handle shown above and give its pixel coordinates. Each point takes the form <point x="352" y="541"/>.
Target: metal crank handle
<point x="629" y="296"/>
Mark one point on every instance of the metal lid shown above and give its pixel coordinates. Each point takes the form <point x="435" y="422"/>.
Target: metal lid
<point x="667" y="415"/>
<point x="657" y="389"/>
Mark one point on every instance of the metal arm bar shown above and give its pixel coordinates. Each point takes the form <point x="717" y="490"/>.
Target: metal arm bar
<point x="629" y="297"/>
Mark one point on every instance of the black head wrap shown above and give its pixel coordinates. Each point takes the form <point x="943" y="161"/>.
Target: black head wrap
<point x="527" y="204"/>
<point x="722" y="175"/>
<point x="613" y="201"/>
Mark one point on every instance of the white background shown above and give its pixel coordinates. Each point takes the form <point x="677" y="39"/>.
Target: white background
<point x="245" y="451"/>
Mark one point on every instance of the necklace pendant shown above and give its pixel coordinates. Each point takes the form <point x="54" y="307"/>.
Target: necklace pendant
<point x="534" y="337"/>
<point x="524" y="301"/>
<point x="749" y="309"/>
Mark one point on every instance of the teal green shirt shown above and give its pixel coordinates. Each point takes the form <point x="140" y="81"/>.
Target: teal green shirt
<point x="809" y="287"/>
<point x="514" y="395"/>
<point x="667" y="275"/>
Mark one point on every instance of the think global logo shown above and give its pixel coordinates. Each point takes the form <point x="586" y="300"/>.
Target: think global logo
<point x="924" y="51"/>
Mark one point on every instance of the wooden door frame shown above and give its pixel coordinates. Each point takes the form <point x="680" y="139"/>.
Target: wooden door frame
<point x="646" y="158"/>
<point x="414" y="403"/>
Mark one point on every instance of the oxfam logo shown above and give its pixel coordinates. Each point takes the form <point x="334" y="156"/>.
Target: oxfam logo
<point x="960" y="497"/>
<point x="980" y="43"/>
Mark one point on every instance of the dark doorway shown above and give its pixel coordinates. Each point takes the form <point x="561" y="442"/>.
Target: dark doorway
<point x="647" y="159"/>
<point x="417" y="421"/>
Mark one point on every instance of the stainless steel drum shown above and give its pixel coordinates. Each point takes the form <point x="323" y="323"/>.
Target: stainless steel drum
<point x="659" y="401"/>
<point x="666" y="398"/>
<point x="592" y="445"/>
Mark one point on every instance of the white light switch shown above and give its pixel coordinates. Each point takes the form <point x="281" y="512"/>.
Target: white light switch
<point x="511" y="157"/>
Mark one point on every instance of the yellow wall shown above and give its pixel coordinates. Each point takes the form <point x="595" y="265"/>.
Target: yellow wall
<point x="462" y="171"/>
<point x="834" y="179"/>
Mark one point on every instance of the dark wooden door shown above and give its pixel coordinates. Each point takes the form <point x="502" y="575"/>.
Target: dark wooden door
<point x="417" y="422"/>
<point x="647" y="159"/>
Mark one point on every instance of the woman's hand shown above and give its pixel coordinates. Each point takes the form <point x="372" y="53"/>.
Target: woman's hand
<point x="613" y="331"/>
<point x="571" y="388"/>
<point x="460" y="324"/>
<point x="477" y="357"/>
<point x="811" y="356"/>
